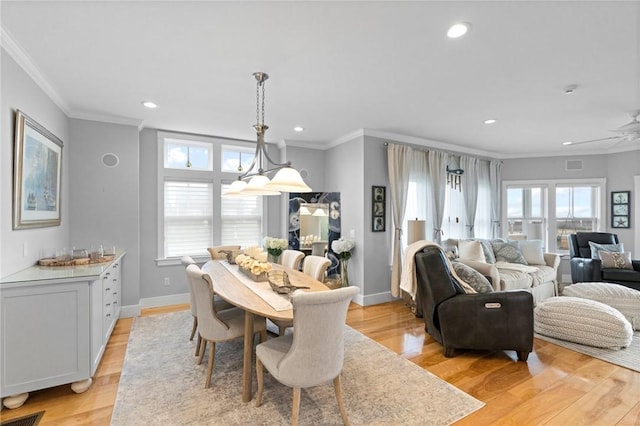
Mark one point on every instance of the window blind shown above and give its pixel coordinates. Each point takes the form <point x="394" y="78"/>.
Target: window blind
<point x="188" y="218"/>
<point x="241" y="220"/>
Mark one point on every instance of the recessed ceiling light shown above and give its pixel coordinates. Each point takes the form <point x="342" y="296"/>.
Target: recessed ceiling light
<point x="298" y="129"/>
<point x="570" y="89"/>
<point x="489" y="121"/>
<point x="567" y="143"/>
<point x="149" y="104"/>
<point x="458" y="30"/>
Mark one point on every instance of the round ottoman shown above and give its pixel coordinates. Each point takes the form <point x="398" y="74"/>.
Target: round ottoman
<point x="582" y="321"/>
<point x="624" y="299"/>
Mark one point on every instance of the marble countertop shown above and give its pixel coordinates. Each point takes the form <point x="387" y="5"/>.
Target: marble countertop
<point x="70" y="273"/>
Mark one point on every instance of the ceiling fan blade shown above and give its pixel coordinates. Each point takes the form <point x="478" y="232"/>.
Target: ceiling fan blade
<point x="595" y="140"/>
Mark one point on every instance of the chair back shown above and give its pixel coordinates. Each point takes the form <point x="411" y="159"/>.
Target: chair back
<point x="215" y="251"/>
<point x="209" y="325"/>
<point x="317" y="351"/>
<point x="435" y="285"/>
<point x="316" y="267"/>
<point x="579" y="242"/>
<point x="186" y="261"/>
<point x="291" y="259"/>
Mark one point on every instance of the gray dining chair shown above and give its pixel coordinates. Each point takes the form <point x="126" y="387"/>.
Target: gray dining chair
<point x="316" y="267"/>
<point x="291" y="259"/>
<point x="217" y="326"/>
<point x="314" y="353"/>
<point x="318" y="248"/>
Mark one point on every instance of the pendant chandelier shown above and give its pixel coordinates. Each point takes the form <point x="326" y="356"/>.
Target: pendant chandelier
<point x="255" y="181"/>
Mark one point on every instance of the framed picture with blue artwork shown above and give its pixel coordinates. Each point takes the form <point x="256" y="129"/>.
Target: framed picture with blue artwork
<point x="37" y="172"/>
<point x="620" y="209"/>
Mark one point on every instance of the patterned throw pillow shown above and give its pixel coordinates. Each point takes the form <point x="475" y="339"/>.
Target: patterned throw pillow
<point x="472" y="277"/>
<point x="508" y="251"/>
<point x="597" y="248"/>
<point x="616" y="260"/>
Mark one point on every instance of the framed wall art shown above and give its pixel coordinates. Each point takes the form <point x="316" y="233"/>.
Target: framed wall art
<point x="378" y="208"/>
<point x="620" y="209"/>
<point x="37" y="173"/>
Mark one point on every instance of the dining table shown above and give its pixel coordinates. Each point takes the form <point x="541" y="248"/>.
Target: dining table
<point x="255" y="298"/>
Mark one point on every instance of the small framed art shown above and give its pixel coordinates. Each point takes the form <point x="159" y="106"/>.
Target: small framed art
<point x="378" y="208"/>
<point x="620" y="209"/>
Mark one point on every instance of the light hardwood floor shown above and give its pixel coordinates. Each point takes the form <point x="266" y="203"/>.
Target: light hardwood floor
<point x="556" y="386"/>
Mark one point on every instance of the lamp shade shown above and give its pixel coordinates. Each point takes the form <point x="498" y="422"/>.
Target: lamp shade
<point x="415" y="231"/>
<point x="258" y="186"/>
<point x="304" y="211"/>
<point x="319" y="212"/>
<point x="288" y="180"/>
<point x="235" y="189"/>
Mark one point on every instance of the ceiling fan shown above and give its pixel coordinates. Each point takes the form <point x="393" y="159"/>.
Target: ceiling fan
<point x="627" y="133"/>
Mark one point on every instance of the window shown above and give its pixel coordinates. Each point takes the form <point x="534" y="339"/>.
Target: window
<point x="551" y="210"/>
<point x="192" y="214"/>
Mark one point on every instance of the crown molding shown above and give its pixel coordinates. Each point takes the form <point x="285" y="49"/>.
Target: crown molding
<point x="27" y="64"/>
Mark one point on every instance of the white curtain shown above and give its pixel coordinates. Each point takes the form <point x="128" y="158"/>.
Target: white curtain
<point x="419" y="203"/>
<point x="470" y="191"/>
<point x="438" y="175"/>
<point x="482" y="225"/>
<point x="495" y="176"/>
<point x="399" y="164"/>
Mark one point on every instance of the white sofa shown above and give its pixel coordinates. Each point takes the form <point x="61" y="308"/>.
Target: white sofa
<point x="539" y="278"/>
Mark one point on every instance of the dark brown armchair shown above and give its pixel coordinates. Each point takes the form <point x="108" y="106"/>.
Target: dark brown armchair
<point x="486" y="321"/>
<point x="586" y="269"/>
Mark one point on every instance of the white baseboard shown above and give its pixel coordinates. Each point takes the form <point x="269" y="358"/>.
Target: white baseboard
<point x="374" y="299"/>
<point x="130" y="311"/>
<point x="172" y="299"/>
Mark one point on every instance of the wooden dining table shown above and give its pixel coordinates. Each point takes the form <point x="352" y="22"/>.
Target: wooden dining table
<point x="228" y="287"/>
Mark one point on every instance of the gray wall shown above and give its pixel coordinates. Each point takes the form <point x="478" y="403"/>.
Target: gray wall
<point x="20" y="249"/>
<point x="104" y="200"/>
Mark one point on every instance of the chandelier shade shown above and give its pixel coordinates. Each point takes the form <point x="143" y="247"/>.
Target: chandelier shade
<point x="255" y="181"/>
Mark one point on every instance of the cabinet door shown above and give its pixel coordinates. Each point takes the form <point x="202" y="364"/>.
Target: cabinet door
<point x="117" y="289"/>
<point x="97" y="319"/>
<point x="45" y="336"/>
<point x="108" y="318"/>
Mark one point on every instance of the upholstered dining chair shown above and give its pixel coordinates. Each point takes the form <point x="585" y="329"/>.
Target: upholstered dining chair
<point x="291" y="258"/>
<point x="216" y="252"/>
<point x="216" y="326"/>
<point x="316" y="267"/>
<point x="314" y="353"/>
<point x="186" y="261"/>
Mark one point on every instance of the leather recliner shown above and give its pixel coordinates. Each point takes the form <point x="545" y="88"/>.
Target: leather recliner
<point x="486" y="321"/>
<point x="586" y="269"/>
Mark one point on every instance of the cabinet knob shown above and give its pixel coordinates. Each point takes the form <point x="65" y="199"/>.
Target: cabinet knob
<point x="108" y="304"/>
<point x="107" y="289"/>
<point x="107" y="274"/>
<point x="108" y="315"/>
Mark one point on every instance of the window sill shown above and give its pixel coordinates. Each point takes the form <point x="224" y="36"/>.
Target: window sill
<point x="173" y="261"/>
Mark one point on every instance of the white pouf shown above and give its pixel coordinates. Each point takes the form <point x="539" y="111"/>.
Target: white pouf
<point x="624" y="299"/>
<point x="582" y="321"/>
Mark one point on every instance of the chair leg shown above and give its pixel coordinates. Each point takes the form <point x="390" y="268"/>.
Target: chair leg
<point x="203" y="348"/>
<point x="263" y="335"/>
<point x="523" y="355"/>
<point x="337" y="386"/>
<point x="260" y="375"/>
<point x="281" y="330"/>
<point x="449" y="352"/>
<point x="212" y="354"/>
<point x="295" y="407"/>
<point x="198" y="343"/>
<point x="193" y="328"/>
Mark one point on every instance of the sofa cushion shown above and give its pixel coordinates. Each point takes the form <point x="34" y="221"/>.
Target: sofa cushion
<point x="616" y="260"/>
<point x="547" y="273"/>
<point x="508" y="251"/>
<point x="514" y="280"/>
<point x="624" y="299"/>
<point x="470" y="250"/>
<point x="582" y="321"/>
<point x="472" y="277"/>
<point x="532" y="251"/>
<point x="597" y="248"/>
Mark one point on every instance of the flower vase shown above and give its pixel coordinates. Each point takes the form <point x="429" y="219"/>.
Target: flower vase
<point x="344" y="272"/>
<point x="272" y="258"/>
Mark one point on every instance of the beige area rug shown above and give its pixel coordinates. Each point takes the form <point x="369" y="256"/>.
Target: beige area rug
<point x="161" y="385"/>
<point x="627" y="357"/>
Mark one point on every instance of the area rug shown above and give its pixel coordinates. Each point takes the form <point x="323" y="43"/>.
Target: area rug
<point x="160" y="384"/>
<point x="627" y="357"/>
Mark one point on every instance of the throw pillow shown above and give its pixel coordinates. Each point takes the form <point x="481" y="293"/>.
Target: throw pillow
<point x="616" y="260"/>
<point x="472" y="277"/>
<point x="486" y="249"/>
<point x="597" y="248"/>
<point x="471" y="250"/>
<point x="508" y="251"/>
<point x="532" y="251"/>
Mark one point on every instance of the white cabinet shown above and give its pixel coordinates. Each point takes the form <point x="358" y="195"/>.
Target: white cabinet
<point x="55" y="324"/>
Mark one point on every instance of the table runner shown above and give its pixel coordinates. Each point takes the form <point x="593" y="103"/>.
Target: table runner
<point x="261" y="288"/>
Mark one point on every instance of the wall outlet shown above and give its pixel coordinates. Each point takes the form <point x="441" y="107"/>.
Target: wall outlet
<point x="167" y="282"/>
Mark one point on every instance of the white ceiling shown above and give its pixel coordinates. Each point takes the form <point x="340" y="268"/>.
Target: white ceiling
<point x="336" y="67"/>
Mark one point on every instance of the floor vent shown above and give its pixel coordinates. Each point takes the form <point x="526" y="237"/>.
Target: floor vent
<point x="30" y="420"/>
<point x="574" y="165"/>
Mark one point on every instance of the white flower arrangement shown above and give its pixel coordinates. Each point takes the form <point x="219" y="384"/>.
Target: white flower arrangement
<point x="342" y="247"/>
<point x="275" y="246"/>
